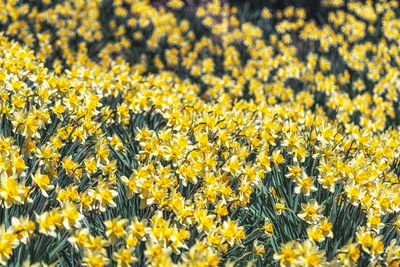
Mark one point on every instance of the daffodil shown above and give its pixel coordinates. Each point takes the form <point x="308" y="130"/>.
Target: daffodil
<point x="311" y="211"/>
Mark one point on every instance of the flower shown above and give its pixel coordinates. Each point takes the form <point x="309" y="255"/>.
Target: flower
<point x="80" y="238"/>
<point x="124" y="257"/>
<point x="268" y="227"/>
<point x="94" y="258"/>
<point x="258" y="248"/>
<point x="305" y="185"/>
<point x="139" y="229"/>
<point x="23" y="228"/>
<point x="71" y="216"/>
<point x="43" y="181"/>
<point x="8" y="241"/>
<point x="311" y="212"/>
<point x="311" y="255"/>
<point x="115" y="228"/>
<point x="349" y="254"/>
<point x="288" y="254"/>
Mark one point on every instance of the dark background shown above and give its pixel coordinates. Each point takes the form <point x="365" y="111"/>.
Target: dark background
<point x="313" y="7"/>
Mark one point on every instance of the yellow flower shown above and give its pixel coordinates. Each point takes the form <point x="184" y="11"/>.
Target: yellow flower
<point x="315" y="233"/>
<point x="268" y="227"/>
<point x="349" y="254"/>
<point x="232" y="233"/>
<point x="305" y="185"/>
<point x="258" y="248"/>
<point x="277" y="158"/>
<point x="139" y="229"/>
<point x="175" y="4"/>
<point x="124" y="257"/>
<point x="23" y="228"/>
<point x="46" y="224"/>
<point x="105" y="195"/>
<point x="232" y="165"/>
<point x="71" y="216"/>
<point x="280" y="207"/>
<point x="43" y="181"/>
<point x="59" y="109"/>
<point x="205" y="221"/>
<point x="96" y="243"/>
<point x="328" y="181"/>
<point x="8" y="241"/>
<point x="80" y="238"/>
<point x="374" y="222"/>
<point x="266" y="14"/>
<point x="115" y="228"/>
<point x="131" y="240"/>
<point x="294" y="172"/>
<point x="288" y="254"/>
<point x="326" y="228"/>
<point x="11" y="192"/>
<point x="291" y="142"/>
<point x="69" y="165"/>
<point x="19" y="164"/>
<point x="131" y="184"/>
<point x="155" y="250"/>
<point x="311" y="212"/>
<point x="90" y="165"/>
<point x="311" y="256"/>
<point x="94" y="258"/>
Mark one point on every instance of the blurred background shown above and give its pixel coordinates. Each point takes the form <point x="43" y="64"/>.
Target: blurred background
<point x="313" y="7"/>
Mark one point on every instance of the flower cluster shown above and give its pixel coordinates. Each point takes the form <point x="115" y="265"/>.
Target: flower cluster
<point x="173" y="134"/>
